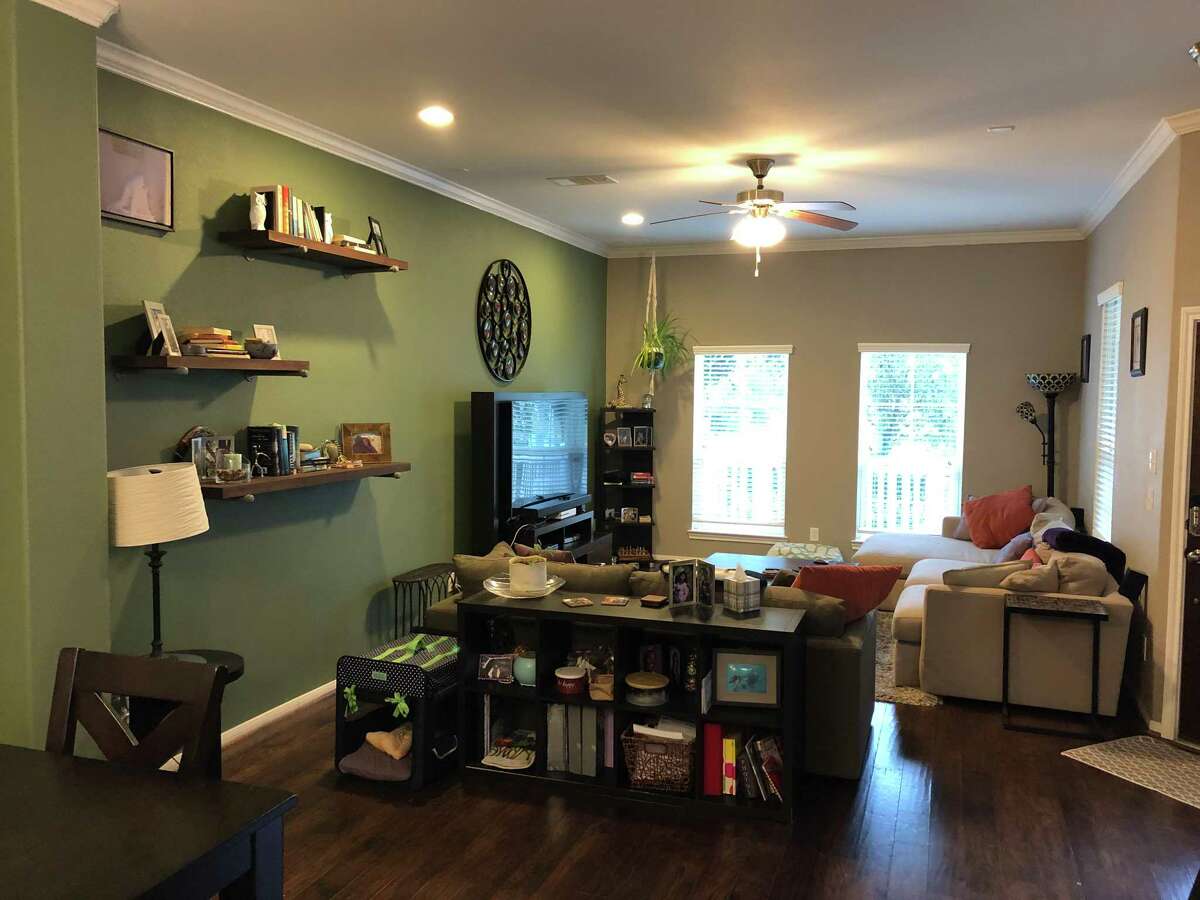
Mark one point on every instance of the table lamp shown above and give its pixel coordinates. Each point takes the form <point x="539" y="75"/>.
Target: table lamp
<point x="151" y="505"/>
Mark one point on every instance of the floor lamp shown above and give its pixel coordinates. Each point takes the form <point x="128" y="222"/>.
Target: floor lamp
<point x="1050" y="385"/>
<point x="152" y="505"/>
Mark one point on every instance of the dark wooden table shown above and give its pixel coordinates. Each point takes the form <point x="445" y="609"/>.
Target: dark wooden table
<point x="82" y="828"/>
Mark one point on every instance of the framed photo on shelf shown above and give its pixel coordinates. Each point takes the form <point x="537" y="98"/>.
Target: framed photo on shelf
<point x="170" y="343"/>
<point x="1085" y="359"/>
<point x="746" y="677"/>
<point x="496" y="667"/>
<point x="681" y="581"/>
<point x="137" y="182"/>
<point x="369" y="442"/>
<point x="624" y="436"/>
<point x="376" y="237"/>
<point x="642" y="436"/>
<point x="1137" y="342"/>
<point x="267" y="333"/>
<point x="609" y="438"/>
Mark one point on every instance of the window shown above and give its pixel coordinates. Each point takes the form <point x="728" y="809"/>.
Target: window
<point x="739" y="441"/>
<point x="1106" y="411"/>
<point x="910" y="435"/>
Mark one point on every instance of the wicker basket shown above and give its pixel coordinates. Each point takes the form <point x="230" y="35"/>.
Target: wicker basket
<point x="657" y="764"/>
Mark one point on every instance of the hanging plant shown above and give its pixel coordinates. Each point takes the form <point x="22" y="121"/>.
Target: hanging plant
<point x="663" y="347"/>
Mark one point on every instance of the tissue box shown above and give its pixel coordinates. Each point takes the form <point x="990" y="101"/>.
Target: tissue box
<point x="742" y="596"/>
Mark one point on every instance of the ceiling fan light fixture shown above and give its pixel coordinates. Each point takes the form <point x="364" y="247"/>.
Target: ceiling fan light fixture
<point x="758" y="231"/>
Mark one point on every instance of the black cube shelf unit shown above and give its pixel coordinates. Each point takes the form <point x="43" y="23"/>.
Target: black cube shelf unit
<point x="632" y="542"/>
<point x="551" y="630"/>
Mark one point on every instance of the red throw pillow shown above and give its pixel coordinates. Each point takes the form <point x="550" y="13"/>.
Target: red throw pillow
<point x="861" y="588"/>
<point x="996" y="519"/>
<point x="1031" y="555"/>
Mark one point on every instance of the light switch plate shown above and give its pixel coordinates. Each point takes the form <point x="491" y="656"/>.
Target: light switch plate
<point x="814" y="534"/>
<point x="1153" y="462"/>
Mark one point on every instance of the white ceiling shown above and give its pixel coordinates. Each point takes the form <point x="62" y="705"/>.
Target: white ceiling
<point x="878" y="103"/>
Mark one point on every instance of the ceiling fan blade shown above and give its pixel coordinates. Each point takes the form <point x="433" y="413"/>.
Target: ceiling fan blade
<point x="696" y="216"/>
<point x="814" y="205"/>
<point x="719" y="203"/>
<point x="818" y="219"/>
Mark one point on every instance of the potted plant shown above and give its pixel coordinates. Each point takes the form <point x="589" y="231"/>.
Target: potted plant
<point x="663" y="340"/>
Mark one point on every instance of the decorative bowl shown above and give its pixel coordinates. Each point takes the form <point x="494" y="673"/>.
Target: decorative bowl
<point x="525" y="669"/>
<point x="500" y="586"/>
<point x="261" y="349"/>
<point x="570" y="679"/>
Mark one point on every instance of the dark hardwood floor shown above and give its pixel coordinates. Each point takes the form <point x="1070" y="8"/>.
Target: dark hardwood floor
<point x="950" y="805"/>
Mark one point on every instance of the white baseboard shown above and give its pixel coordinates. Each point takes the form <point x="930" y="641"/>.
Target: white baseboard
<point x="243" y="730"/>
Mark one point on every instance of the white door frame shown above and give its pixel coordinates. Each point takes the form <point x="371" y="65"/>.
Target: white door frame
<point x="1189" y="318"/>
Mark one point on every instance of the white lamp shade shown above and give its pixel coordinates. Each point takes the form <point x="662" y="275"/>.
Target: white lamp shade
<point x="759" y="231"/>
<point x="155" y="504"/>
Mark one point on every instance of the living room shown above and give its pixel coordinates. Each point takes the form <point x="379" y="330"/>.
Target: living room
<point x="941" y="305"/>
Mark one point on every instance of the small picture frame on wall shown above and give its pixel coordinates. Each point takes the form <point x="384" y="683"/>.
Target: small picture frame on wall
<point x="369" y="442"/>
<point x="137" y="182"/>
<point x="1085" y="359"/>
<point x="1138" y="325"/>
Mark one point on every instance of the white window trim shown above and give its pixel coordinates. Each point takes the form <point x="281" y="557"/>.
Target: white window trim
<point x="1111" y="293"/>
<point x="914" y="348"/>
<point x="1114" y="292"/>
<point x="733" y="536"/>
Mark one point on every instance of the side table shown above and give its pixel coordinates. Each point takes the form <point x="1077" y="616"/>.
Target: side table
<point x="145" y="713"/>
<point x="1077" y="608"/>
<point x="422" y="587"/>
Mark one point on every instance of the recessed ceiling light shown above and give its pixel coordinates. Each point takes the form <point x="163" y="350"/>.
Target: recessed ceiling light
<point x="1001" y="129"/>
<point x="437" y="116"/>
<point x="633" y="218"/>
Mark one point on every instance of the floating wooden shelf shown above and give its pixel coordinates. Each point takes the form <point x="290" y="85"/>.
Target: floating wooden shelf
<point x="350" y="262"/>
<point x="248" y="490"/>
<point x="183" y="365"/>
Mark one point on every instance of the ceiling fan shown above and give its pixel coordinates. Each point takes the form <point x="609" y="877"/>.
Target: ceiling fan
<point x="763" y="208"/>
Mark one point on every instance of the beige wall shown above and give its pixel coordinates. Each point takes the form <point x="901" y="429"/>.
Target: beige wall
<point x="1148" y="243"/>
<point x="1016" y="304"/>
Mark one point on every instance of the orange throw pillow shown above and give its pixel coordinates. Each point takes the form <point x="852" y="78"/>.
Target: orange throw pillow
<point x="861" y="588"/>
<point x="997" y="519"/>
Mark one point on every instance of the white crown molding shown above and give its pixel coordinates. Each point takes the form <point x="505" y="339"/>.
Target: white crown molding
<point x="947" y="239"/>
<point x="93" y="12"/>
<point x="1160" y="138"/>
<point x="160" y="76"/>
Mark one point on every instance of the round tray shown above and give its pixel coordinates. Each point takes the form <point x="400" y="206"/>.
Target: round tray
<point x="499" y="585"/>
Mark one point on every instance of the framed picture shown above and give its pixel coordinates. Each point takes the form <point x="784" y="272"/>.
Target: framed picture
<point x="170" y="345"/>
<point x="706" y="583"/>
<point x="496" y="667"/>
<point x="609" y="438"/>
<point x="681" y="580"/>
<point x="1085" y="359"/>
<point x="642" y="436"/>
<point x="1137" y="342"/>
<point x="267" y="333"/>
<point x="624" y="437"/>
<point x="629" y="515"/>
<point x="154" y="311"/>
<point x="370" y="442"/>
<point x="746" y="677"/>
<point x="376" y="237"/>
<point x="137" y="182"/>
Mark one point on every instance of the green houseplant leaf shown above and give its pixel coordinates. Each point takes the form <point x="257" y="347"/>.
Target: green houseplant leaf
<point x="663" y="346"/>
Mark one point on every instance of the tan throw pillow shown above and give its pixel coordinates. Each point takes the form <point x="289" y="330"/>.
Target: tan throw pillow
<point x="395" y="743"/>
<point x="1038" y="580"/>
<point x="825" y="616"/>
<point x="471" y="570"/>
<point x="1079" y="574"/>
<point x="983" y="576"/>
<point x="643" y="583"/>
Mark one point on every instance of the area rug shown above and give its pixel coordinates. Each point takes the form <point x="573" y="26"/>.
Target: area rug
<point x="1148" y="762"/>
<point x="885" y="676"/>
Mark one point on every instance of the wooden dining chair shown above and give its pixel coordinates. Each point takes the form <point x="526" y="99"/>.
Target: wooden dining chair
<point x="84" y="675"/>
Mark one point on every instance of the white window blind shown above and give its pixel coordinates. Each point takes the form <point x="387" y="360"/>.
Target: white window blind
<point x="739" y="440"/>
<point x="912" y="400"/>
<point x="1106" y="415"/>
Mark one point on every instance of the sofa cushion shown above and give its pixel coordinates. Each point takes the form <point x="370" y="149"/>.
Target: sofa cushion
<point x="983" y="576"/>
<point x="862" y="588"/>
<point x="825" y="616"/>
<point x="594" y="579"/>
<point x="442" y="616"/>
<point x="998" y="518"/>
<point x="930" y="571"/>
<point x="1075" y="542"/>
<point x="367" y="762"/>
<point x="1080" y="573"/>
<point x="1015" y="548"/>
<point x="905" y="550"/>
<point x="642" y="583"/>
<point x="1036" y="580"/>
<point x="472" y="570"/>
<point x="563" y="556"/>
<point x="909" y="616"/>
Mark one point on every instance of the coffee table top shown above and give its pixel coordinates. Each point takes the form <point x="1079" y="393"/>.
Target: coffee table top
<point x="772" y="620"/>
<point x="753" y="563"/>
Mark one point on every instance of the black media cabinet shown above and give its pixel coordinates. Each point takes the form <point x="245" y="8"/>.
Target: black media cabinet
<point x="552" y="629"/>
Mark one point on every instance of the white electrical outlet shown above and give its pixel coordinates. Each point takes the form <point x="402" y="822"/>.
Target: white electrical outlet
<point x="814" y="534"/>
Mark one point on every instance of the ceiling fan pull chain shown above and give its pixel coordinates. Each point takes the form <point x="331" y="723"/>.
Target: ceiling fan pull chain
<point x="757" y="259"/>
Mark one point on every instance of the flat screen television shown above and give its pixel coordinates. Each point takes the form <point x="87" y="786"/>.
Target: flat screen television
<point x="549" y="448"/>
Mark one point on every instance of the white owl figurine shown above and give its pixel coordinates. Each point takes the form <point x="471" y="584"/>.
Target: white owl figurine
<point x="258" y="211"/>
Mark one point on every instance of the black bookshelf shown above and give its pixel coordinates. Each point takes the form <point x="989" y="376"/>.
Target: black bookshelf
<point x="549" y="628"/>
<point x="631" y="542"/>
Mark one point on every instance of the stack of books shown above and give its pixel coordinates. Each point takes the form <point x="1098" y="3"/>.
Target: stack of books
<point x="292" y="215"/>
<point x="641" y="478"/>
<point x="275" y="448"/>
<point x="212" y="340"/>
<point x="753" y="769"/>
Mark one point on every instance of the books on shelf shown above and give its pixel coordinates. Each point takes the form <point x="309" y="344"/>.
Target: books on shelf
<point x="729" y="754"/>
<point x="731" y="768"/>
<point x="291" y="214"/>
<point x="275" y="448"/>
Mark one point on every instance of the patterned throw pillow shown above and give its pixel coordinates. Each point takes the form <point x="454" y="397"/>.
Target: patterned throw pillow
<point x="862" y="588"/>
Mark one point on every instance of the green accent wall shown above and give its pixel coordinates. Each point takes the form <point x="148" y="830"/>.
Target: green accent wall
<point x="53" y="514"/>
<point x="294" y="580"/>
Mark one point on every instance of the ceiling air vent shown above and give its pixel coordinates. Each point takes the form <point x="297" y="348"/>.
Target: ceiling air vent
<point x="581" y="180"/>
